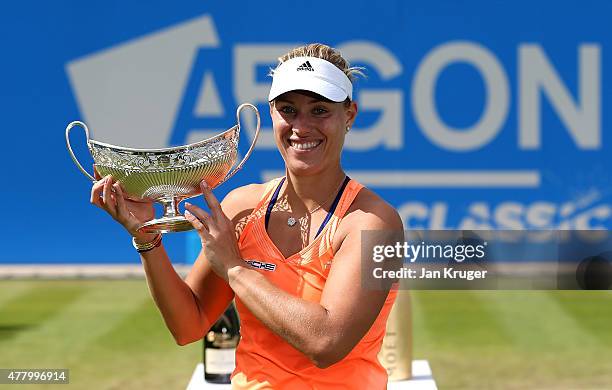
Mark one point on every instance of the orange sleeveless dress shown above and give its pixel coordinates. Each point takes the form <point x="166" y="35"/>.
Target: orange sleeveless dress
<point x="263" y="359"/>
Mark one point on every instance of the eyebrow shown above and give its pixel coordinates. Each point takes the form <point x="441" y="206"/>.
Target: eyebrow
<point x="312" y="100"/>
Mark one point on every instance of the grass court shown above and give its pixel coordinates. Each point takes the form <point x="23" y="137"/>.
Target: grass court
<point x="109" y="334"/>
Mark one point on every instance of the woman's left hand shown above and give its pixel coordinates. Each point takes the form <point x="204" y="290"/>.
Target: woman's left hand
<point x="216" y="233"/>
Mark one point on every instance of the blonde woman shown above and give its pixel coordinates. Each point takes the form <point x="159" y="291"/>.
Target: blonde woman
<point x="288" y="251"/>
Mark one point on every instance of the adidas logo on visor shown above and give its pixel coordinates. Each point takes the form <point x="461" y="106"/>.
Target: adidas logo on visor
<point x="306" y="66"/>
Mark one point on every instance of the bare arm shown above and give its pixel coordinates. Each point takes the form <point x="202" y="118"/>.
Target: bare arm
<point x="191" y="307"/>
<point x="188" y="307"/>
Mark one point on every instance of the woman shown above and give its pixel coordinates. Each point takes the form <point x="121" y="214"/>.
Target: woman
<point x="288" y="251"/>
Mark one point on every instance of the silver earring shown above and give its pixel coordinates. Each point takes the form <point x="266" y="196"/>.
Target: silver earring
<point x="348" y="128"/>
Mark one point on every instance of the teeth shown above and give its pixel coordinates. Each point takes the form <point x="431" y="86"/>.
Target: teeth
<point x="304" y="145"/>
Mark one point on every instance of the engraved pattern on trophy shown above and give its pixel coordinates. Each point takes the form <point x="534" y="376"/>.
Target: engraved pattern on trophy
<point x="169" y="175"/>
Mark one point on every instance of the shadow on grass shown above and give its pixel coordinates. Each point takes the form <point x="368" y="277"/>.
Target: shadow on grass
<point x="8" y="331"/>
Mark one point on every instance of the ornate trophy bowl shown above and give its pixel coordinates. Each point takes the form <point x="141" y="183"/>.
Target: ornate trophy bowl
<point x="169" y="175"/>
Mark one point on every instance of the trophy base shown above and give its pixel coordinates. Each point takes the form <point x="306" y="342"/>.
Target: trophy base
<point x="166" y="225"/>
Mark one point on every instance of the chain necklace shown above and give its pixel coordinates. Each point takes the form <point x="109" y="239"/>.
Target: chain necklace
<point x="291" y="221"/>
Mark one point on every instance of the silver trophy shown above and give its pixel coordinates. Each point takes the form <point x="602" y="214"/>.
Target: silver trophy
<point x="168" y="175"/>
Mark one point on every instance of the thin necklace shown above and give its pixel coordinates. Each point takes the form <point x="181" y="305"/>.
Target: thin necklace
<point x="291" y="221"/>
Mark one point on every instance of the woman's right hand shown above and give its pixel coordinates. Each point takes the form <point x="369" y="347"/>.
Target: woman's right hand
<point x="108" y="195"/>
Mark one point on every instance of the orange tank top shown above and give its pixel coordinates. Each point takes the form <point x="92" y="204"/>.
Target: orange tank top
<point x="263" y="359"/>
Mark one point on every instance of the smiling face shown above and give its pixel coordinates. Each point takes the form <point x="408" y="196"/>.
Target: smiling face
<point x="309" y="130"/>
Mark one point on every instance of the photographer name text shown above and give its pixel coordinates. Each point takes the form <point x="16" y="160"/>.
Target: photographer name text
<point x="424" y="273"/>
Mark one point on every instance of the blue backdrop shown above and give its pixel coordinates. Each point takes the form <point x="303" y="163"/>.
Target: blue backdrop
<point x="474" y="114"/>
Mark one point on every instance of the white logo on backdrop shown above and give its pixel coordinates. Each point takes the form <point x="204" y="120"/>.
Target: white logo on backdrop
<point x="129" y="94"/>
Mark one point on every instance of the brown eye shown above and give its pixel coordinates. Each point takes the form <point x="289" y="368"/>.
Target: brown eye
<point x="287" y="110"/>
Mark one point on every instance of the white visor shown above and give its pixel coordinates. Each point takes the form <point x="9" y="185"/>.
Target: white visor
<point x="311" y="74"/>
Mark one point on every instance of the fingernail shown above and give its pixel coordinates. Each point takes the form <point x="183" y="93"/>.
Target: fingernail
<point x="187" y="204"/>
<point x="204" y="185"/>
<point x="188" y="214"/>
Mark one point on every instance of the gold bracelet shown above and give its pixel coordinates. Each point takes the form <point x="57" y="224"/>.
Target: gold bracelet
<point x="147" y="246"/>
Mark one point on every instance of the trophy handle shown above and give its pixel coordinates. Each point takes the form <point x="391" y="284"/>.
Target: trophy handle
<point x="78" y="164"/>
<point x="248" y="153"/>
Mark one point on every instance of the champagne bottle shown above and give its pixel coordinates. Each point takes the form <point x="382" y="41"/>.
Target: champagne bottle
<point x="220" y="347"/>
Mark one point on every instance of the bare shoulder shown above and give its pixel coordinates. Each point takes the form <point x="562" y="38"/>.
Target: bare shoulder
<point x="368" y="212"/>
<point x="371" y="212"/>
<point x="242" y="200"/>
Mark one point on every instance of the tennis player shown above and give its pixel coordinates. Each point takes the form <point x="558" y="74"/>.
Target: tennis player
<point x="289" y="251"/>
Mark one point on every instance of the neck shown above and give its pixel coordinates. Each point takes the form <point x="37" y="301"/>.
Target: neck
<point x="311" y="191"/>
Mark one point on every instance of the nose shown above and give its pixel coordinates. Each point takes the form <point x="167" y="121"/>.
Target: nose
<point x="301" y="124"/>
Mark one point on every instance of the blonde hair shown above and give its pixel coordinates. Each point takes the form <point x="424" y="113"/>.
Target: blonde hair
<point x="326" y="53"/>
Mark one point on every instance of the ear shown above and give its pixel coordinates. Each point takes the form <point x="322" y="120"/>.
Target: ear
<point x="351" y="113"/>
